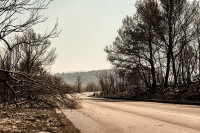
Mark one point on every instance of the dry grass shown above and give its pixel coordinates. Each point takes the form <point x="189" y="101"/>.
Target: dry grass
<point x="34" y="120"/>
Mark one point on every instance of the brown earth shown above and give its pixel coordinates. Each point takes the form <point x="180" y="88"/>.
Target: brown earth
<point x="34" y="120"/>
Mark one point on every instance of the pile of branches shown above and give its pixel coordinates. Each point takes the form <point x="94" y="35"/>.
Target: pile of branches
<point x="19" y="89"/>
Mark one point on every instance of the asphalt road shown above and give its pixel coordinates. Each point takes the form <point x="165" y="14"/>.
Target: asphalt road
<point x="99" y="115"/>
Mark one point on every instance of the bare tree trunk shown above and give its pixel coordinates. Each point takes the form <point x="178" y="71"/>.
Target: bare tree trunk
<point x="174" y="70"/>
<point x="169" y="47"/>
<point x="199" y="57"/>
<point x="153" y="87"/>
<point x="167" y="69"/>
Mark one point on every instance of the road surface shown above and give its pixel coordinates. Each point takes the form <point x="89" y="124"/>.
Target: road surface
<point x="99" y="115"/>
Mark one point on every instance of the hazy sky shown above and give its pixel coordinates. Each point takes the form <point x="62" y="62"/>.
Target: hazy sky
<point x="87" y="27"/>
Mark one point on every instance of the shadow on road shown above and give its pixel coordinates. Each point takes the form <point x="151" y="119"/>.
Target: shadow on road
<point x="94" y="99"/>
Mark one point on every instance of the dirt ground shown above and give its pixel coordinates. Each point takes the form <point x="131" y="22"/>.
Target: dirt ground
<point x="34" y="120"/>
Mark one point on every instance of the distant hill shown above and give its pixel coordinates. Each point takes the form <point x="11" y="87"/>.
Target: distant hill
<point x="87" y="77"/>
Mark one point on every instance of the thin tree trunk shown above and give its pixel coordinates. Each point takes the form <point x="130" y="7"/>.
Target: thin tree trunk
<point x="174" y="70"/>
<point x="152" y="63"/>
<point x="167" y="69"/>
<point x="169" y="47"/>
